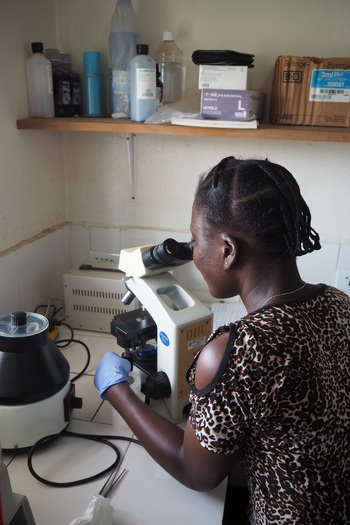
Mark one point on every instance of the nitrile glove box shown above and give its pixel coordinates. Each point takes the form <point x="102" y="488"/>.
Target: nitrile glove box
<point x="223" y="77"/>
<point x="232" y="104"/>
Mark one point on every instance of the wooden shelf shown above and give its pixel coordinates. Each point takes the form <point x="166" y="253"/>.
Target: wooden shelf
<point x="265" y="131"/>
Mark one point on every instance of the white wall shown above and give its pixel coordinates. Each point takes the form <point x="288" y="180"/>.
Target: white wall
<point x="168" y="165"/>
<point x="50" y="178"/>
<point x="31" y="164"/>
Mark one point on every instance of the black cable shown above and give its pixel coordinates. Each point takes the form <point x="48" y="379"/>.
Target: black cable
<point x="63" y="343"/>
<point x="87" y="351"/>
<point x="104" y="439"/>
<point x="60" y="323"/>
<point x="46" y="306"/>
<point x="60" y="309"/>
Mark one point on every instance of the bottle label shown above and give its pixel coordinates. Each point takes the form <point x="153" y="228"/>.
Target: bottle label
<point x="159" y="96"/>
<point x="66" y="93"/>
<point x="76" y="94"/>
<point x="120" y="92"/>
<point x="146" y="84"/>
<point x="120" y="81"/>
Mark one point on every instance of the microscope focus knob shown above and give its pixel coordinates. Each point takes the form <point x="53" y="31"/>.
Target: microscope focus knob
<point x="156" y="386"/>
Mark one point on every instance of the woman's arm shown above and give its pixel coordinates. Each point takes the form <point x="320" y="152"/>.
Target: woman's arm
<point x="178" y="451"/>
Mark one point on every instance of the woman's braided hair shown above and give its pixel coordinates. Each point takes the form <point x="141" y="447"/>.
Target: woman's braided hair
<point x="261" y="200"/>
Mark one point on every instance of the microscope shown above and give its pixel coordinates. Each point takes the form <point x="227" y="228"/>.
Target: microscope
<point x="161" y="337"/>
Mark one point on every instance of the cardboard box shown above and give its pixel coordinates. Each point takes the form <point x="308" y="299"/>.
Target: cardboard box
<point x="311" y="91"/>
<point x="223" y="77"/>
<point x="232" y="104"/>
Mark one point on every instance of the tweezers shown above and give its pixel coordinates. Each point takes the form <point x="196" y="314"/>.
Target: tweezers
<point x="110" y="483"/>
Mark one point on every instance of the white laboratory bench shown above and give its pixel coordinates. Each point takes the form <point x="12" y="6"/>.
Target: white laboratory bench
<point x="146" y="495"/>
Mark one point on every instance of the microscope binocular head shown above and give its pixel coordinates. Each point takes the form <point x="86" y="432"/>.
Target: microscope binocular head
<point x="148" y="260"/>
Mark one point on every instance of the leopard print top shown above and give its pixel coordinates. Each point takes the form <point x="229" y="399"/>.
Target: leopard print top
<point x="282" y="397"/>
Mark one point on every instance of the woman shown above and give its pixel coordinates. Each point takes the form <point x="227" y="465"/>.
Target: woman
<point x="271" y="390"/>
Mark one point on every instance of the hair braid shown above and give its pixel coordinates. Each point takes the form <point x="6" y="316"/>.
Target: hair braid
<point x="262" y="200"/>
<point x="300" y="237"/>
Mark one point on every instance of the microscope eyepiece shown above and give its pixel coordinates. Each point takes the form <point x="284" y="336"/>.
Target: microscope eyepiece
<point x="168" y="253"/>
<point x="188" y="250"/>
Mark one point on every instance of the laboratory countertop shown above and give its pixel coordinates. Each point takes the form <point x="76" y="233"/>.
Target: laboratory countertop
<point x="146" y="495"/>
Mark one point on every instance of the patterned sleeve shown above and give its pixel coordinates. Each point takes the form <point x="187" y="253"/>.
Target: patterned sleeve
<point x="222" y="412"/>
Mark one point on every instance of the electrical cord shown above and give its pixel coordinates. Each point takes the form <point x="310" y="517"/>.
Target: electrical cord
<point x="61" y="323"/>
<point x="104" y="439"/>
<point x="64" y="343"/>
<point x="49" y="308"/>
<point x="87" y="351"/>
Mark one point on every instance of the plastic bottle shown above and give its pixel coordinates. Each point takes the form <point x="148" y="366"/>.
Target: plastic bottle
<point x="93" y="84"/>
<point x="75" y="84"/>
<point x="39" y="83"/>
<point x="172" y="69"/>
<point x="61" y="85"/>
<point x="142" y="85"/>
<point x="123" y="38"/>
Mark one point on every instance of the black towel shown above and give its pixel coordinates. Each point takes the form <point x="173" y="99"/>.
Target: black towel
<point x="222" y="58"/>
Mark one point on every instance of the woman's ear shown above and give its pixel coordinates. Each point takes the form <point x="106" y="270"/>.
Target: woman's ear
<point x="230" y="251"/>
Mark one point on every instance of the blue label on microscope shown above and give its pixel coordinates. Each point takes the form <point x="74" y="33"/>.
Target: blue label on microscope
<point x="164" y="338"/>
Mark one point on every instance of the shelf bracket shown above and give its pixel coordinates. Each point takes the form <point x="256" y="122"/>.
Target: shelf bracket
<point x="131" y="147"/>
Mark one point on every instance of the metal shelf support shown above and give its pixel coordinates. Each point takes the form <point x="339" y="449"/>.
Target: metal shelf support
<point x="131" y="147"/>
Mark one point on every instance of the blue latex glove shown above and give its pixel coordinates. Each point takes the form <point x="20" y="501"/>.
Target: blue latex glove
<point x="111" y="370"/>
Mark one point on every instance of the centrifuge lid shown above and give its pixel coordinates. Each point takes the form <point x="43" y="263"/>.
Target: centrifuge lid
<point x="22" y="324"/>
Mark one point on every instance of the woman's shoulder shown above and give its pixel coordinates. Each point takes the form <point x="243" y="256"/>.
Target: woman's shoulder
<point x="211" y="357"/>
<point x="335" y="293"/>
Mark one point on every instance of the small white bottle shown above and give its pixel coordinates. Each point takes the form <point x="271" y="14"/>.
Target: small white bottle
<point x="143" y="101"/>
<point x="39" y="83"/>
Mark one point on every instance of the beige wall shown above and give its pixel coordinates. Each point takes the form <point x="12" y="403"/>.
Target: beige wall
<point x="31" y="165"/>
<point x="49" y="178"/>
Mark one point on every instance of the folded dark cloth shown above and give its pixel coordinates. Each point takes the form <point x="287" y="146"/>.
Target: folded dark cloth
<point x="222" y="57"/>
